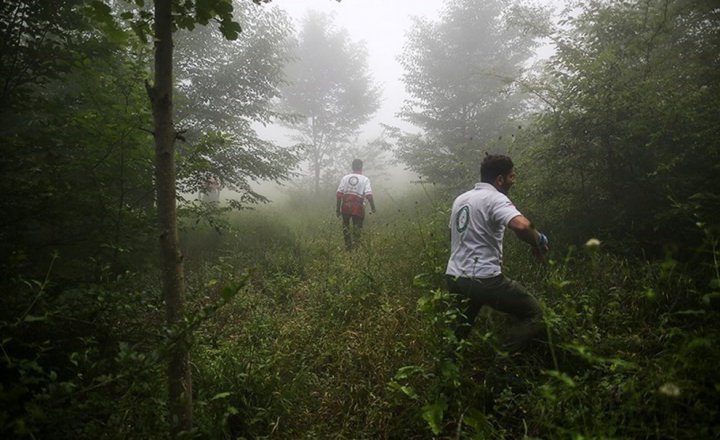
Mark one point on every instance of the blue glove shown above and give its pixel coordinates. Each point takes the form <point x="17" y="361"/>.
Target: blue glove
<point x="542" y="240"/>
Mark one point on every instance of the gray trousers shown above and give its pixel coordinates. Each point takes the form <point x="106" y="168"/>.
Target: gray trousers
<point x="504" y="295"/>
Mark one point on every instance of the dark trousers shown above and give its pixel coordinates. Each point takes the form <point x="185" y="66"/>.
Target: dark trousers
<point x="353" y="234"/>
<point x="504" y="295"/>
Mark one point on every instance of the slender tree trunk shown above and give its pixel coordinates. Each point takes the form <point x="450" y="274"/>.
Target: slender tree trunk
<point x="316" y="156"/>
<point x="316" y="166"/>
<point x="179" y="379"/>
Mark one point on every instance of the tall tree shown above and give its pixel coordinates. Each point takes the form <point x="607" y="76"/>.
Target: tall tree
<point x="223" y="88"/>
<point x="460" y="73"/>
<point x="72" y="108"/>
<point x="331" y="92"/>
<point x="632" y="125"/>
<point x="161" y="98"/>
<point x="168" y="16"/>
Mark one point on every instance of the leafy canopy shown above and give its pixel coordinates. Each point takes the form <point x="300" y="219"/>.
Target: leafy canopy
<point x="460" y="73"/>
<point x="630" y="136"/>
<point x="330" y="91"/>
<point x="224" y="88"/>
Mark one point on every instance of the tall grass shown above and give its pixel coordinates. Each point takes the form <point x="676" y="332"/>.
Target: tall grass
<point x="296" y="338"/>
<point x="324" y="343"/>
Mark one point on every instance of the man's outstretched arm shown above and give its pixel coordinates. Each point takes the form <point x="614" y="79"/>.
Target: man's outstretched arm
<point x="526" y="232"/>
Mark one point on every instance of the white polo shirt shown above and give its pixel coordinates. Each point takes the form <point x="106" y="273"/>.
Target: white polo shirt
<point x="477" y="225"/>
<point x="354" y="188"/>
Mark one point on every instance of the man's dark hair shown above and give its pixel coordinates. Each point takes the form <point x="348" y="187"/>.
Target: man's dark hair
<point x="357" y="165"/>
<point x="495" y="165"/>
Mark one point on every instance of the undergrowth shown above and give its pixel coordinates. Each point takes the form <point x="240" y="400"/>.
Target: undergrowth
<point x="294" y="337"/>
<point x="355" y="345"/>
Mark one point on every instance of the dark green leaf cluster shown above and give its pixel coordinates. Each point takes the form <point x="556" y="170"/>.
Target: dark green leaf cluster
<point x="77" y="173"/>
<point x="186" y="15"/>
<point x="631" y="130"/>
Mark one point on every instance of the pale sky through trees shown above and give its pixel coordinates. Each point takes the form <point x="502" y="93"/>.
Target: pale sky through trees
<point x="382" y="25"/>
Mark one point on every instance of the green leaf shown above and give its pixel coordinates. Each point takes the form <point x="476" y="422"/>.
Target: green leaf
<point x="229" y="291"/>
<point x="223" y="8"/>
<point x="476" y="420"/>
<point x="421" y="280"/>
<point x="230" y="29"/>
<point x="712" y="298"/>
<point x="449" y="370"/>
<point x="433" y="414"/>
<point x="407" y="390"/>
<point x="690" y="312"/>
<point x="700" y="343"/>
<point x="424" y="304"/>
<point x="117" y="36"/>
<point x="33" y="318"/>
<point x="101" y="13"/>
<point x="220" y="396"/>
<point x="407" y="371"/>
<point x="100" y="8"/>
<point x="562" y="377"/>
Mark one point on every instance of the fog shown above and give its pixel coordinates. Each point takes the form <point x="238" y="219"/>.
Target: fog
<point x="381" y="25"/>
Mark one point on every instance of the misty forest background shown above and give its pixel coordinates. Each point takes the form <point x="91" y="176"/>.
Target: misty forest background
<point x="615" y="138"/>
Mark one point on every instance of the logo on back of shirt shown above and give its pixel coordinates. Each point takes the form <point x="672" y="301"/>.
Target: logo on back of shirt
<point x="462" y="219"/>
<point x="353" y="180"/>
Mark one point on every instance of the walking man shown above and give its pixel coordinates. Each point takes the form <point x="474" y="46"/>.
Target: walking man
<point x="474" y="271"/>
<point x="351" y="194"/>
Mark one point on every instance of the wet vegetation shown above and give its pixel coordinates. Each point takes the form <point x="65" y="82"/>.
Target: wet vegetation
<point x="293" y="337"/>
<point x="615" y="139"/>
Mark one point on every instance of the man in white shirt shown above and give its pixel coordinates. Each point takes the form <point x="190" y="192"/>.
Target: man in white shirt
<point x="354" y="189"/>
<point x="474" y="271"/>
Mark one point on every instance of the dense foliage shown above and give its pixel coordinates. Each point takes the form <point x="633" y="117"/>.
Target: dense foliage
<point x="76" y="163"/>
<point x="628" y="145"/>
<point x="293" y="337"/>
<point x="224" y="88"/>
<point x="296" y="338"/>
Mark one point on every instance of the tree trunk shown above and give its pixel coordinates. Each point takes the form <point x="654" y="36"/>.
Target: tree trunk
<point x="178" y="373"/>
<point x="316" y="167"/>
<point x="316" y="156"/>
